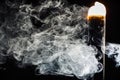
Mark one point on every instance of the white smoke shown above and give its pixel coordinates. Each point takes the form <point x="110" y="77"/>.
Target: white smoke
<point x="53" y="37"/>
<point x="113" y="51"/>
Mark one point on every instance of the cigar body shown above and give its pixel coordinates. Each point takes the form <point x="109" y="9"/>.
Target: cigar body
<point x="96" y="33"/>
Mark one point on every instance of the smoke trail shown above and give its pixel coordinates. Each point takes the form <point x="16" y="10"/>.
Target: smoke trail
<point x="52" y="36"/>
<point x="113" y="51"/>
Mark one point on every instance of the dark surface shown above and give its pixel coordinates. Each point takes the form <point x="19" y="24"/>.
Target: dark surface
<point x="112" y="72"/>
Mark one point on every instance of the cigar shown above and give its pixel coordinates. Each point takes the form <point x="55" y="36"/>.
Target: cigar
<point x="96" y="33"/>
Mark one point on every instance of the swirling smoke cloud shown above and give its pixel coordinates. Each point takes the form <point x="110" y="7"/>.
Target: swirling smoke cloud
<point x="113" y="52"/>
<point x="51" y="35"/>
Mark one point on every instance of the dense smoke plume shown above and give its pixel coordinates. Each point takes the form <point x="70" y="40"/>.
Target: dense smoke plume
<point x="51" y="35"/>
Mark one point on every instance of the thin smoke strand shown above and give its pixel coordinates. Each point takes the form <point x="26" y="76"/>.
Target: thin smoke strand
<point x="53" y="37"/>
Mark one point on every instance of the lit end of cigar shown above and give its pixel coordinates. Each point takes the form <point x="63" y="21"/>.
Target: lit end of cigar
<point x="98" y="10"/>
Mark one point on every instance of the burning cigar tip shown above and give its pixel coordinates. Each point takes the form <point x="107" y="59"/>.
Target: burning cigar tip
<point x="97" y="10"/>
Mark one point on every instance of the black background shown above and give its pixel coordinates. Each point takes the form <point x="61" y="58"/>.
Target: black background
<point x="112" y="35"/>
